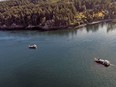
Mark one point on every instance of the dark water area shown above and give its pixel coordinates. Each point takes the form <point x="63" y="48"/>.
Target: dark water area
<point x="64" y="58"/>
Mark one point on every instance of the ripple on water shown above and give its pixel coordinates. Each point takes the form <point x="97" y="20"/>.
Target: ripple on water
<point x="105" y="76"/>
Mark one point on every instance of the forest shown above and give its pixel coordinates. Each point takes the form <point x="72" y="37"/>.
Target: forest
<point x="54" y="14"/>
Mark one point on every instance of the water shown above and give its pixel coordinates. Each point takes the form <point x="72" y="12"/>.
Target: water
<point x="64" y="58"/>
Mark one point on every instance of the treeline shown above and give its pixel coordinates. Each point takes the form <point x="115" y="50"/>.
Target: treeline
<point x="54" y="13"/>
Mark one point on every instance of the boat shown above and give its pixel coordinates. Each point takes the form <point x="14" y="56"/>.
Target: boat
<point x="106" y="63"/>
<point x="32" y="46"/>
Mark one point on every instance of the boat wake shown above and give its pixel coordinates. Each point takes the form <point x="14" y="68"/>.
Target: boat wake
<point x="112" y="65"/>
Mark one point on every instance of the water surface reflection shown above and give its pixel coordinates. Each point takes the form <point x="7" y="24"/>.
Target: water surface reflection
<point x="64" y="58"/>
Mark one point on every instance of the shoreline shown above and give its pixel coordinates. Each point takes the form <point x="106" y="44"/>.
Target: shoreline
<point x="41" y="28"/>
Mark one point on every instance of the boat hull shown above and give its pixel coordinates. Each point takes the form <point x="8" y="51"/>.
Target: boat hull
<point x="106" y="63"/>
<point x="32" y="46"/>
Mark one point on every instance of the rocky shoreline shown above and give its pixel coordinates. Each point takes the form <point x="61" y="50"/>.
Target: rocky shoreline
<point x="43" y="28"/>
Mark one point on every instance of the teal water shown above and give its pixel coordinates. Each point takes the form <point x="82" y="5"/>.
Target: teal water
<point x="64" y="58"/>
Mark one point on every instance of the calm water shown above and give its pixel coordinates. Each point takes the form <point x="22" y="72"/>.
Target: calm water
<point x="63" y="58"/>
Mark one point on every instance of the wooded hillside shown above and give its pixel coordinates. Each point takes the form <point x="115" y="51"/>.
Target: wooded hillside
<point x="54" y="13"/>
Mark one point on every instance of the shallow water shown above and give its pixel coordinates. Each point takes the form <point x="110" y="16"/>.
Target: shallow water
<point x="64" y="58"/>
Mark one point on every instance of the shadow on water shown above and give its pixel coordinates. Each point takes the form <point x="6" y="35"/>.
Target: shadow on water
<point x="111" y="27"/>
<point x="93" y="28"/>
<point x="34" y="33"/>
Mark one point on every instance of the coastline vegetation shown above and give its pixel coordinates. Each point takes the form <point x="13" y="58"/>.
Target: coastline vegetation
<point x="54" y="14"/>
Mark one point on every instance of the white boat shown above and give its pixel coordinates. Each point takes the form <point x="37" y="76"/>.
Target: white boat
<point x="103" y="62"/>
<point x="32" y="46"/>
